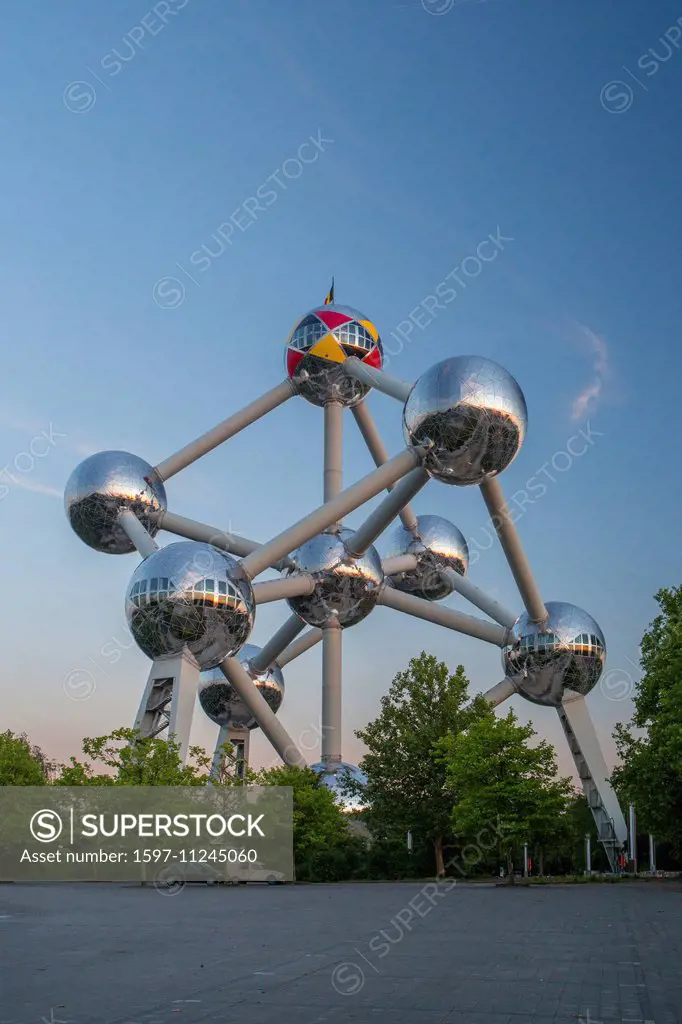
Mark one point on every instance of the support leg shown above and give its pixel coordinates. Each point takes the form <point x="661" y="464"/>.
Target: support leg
<point x="168" y="700"/>
<point x="239" y="738"/>
<point x="589" y="761"/>
<point x="219" y="753"/>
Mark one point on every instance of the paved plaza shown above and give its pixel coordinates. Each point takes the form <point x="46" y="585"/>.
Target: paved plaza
<point x="399" y="953"/>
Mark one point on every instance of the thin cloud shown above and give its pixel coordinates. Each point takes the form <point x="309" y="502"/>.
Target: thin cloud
<point x="34" y="428"/>
<point x="26" y="484"/>
<point x="587" y="399"/>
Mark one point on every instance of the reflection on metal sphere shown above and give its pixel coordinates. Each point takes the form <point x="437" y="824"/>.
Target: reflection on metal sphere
<point x="193" y="595"/>
<point x="441" y="546"/>
<point x="346" y="589"/>
<point x="333" y="776"/>
<point x="319" y="345"/>
<point x="100" y="488"/>
<point x="224" y="706"/>
<point x="472" y="415"/>
<point x="568" y="655"/>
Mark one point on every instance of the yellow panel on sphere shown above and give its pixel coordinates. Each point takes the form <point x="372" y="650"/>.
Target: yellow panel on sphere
<point x="328" y="348"/>
<point x="371" y="328"/>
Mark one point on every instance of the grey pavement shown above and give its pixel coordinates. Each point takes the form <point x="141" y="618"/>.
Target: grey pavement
<point x="365" y="952"/>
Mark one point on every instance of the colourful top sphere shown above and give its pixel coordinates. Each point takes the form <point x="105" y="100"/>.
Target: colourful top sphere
<point x="318" y="346"/>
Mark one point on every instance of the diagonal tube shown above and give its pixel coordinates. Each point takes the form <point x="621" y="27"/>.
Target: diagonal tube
<point x="236" y="674"/>
<point x="192" y="530"/>
<point x="332" y="511"/>
<point x="377" y="450"/>
<point x="378" y="379"/>
<point x="500" y="692"/>
<point x="386" y="512"/>
<point x="278" y="590"/>
<point x="513" y="549"/>
<point x="470" y="592"/>
<point x="228" y="428"/>
<point x="399" y="563"/>
<point x="300" y="646"/>
<point x="277" y="643"/>
<point x="136" y="533"/>
<point x="490" y="632"/>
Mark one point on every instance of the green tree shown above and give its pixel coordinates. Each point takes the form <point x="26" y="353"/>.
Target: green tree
<point x="503" y="787"/>
<point x="319" y="824"/>
<point x="21" y="764"/>
<point x="407" y="784"/>
<point x="133" y="760"/>
<point x="650" y="773"/>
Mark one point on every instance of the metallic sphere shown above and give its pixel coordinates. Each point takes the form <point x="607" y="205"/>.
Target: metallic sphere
<point x="100" y="488"/>
<point x="440" y="546"/>
<point x="319" y="345"/>
<point x="565" y="653"/>
<point x="193" y="595"/>
<point x="333" y="776"/>
<point x="471" y="414"/>
<point x="345" y="589"/>
<point x="224" y="706"/>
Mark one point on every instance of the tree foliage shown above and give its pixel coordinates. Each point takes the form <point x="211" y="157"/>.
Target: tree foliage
<point x="503" y="788"/>
<point x="650" y="774"/>
<point x="133" y="760"/>
<point x="319" y="824"/>
<point x="407" y="784"/>
<point x="21" y="763"/>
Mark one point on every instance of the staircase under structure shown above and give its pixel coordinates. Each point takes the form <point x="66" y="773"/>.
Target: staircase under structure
<point x="591" y="767"/>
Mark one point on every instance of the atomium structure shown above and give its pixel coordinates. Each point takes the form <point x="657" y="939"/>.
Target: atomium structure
<point x="191" y="604"/>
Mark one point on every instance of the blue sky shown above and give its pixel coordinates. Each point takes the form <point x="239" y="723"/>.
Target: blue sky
<point x="131" y="134"/>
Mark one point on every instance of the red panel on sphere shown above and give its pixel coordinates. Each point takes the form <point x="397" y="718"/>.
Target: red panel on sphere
<point x="373" y="358"/>
<point x="331" y="318"/>
<point x="293" y="359"/>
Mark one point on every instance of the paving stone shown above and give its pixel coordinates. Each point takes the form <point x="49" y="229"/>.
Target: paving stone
<point x="325" y="954"/>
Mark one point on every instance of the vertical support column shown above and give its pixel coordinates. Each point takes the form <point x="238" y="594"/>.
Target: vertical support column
<point x="217" y="762"/>
<point x="652" y="854"/>
<point x="333" y="452"/>
<point x="588" y="853"/>
<point x="525" y="860"/>
<point x="632" y="835"/>
<point x="239" y="738"/>
<point x="331" y="634"/>
<point x="331" y="693"/>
